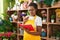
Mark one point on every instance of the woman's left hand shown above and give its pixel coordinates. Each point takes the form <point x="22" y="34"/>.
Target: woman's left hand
<point x="27" y="30"/>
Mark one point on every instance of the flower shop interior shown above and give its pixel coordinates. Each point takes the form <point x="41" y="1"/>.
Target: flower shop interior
<point x="10" y="18"/>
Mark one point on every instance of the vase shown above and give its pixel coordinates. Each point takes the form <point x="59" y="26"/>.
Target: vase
<point x="44" y="20"/>
<point x="52" y="20"/>
<point x="43" y="34"/>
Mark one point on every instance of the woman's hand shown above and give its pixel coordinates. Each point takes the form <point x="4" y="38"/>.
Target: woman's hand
<point x="38" y="32"/>
<point x="25" y="19"/>
<point x="22" y="26"/>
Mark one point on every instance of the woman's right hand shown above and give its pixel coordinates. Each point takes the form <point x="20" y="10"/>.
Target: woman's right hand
<point x="25" y="19"/>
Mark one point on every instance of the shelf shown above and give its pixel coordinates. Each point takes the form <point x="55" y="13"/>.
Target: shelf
<point x="54" y="23"/>
<point x="42" y="8"/>
<point x="44" y="37"/>
<point x="16" y="10"/>
<point x="44" y="23"/>
<point x="27" y="9"/>
<point x="53" y="7"/>
<point x="23" y="10"/>
<point x="13" y="22"/>
<point x="11" y="10"/>
<point x="19" y="35"/>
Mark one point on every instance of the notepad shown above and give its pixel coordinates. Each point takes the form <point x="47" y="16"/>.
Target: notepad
<point x="28" y="26"/>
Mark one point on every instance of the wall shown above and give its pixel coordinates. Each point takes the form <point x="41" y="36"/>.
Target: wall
<point x="1" y="6"/>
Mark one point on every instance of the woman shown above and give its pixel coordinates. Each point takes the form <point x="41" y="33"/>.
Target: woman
<point x="35" y="21"/>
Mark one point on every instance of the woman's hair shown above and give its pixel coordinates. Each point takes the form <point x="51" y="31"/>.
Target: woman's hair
<point x="34" y="5"/>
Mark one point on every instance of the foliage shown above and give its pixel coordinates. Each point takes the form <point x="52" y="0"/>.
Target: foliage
<point x="6" y="27"/>
<point x="12" y="3"/>
<point x="44" y="18"/>
<point x="7" y="35"/>
<point x="48" y="2"/>
<point x="57" y="33"/>
<point x="15" y="13"/>
<point x="52" y="16"/>
<point x="5" y="24"/>
<point x="57" y="0"/>
<point x="28" y="13"/>
<point x="5" y="15"/>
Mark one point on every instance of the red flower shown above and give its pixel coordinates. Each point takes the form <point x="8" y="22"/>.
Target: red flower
<point x="1" y="35"/>
<point x="8" y="34"/>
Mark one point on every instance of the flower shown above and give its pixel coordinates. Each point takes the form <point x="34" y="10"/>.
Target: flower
<point x="6" y="35"/>
<point x="1" y="35"/>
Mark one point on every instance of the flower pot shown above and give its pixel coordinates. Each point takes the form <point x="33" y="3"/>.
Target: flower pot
<point x="52" y="20"/>
<point x="44" y="20"/>
<point x="43" y="34"/>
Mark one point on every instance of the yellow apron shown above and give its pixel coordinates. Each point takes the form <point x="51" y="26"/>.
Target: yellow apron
<point x="29" y="36"/>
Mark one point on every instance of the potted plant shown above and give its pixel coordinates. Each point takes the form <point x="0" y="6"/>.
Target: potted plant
<point x="52" y="18"/>
<point x="5" y="27"/>
<point x="57" y="34"/>
<point x="43" y="32"/>
<point x="44" y="19"/>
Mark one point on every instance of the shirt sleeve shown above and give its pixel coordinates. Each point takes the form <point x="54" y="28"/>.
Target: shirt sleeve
<point x="39" y="21"/>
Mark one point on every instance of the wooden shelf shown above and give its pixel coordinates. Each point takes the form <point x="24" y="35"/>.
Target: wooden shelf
<point x="44" y="37"/>
<point x="42" y="8"/>
<point x="11" y="10"/>
<point x="38" y="9"/>
<point x="53" y="7"/>
<point x="44" y="23"/>
<point x="13" y="22"/>
<point x="16" y="10"/>
<point x="54" y="23"/>
<point x="22" y="10"/>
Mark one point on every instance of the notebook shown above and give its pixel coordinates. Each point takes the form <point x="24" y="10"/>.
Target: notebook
<point x="29" y="26"/>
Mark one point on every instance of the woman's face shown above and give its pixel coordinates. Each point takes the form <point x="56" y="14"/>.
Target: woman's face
<point x="32" y="10"/>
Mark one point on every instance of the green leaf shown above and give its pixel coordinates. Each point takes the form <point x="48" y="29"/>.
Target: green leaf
<point x="52" y="16"/>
